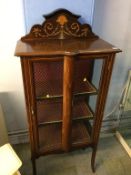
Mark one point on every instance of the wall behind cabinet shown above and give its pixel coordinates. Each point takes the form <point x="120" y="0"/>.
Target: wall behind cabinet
<point x="112" y="22"/>
<point x="11" y="87"/>
<point x="35" y="9"/>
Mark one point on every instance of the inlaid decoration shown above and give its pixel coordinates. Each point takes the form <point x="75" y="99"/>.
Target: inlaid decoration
<point x="60" y="24"/>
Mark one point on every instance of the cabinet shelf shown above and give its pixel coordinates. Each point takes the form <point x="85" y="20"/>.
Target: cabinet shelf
<point x="53" y="89"/>
<point x="50" y="137"/>
<point x="82" y="87"/>
<point x="51" y="112"/>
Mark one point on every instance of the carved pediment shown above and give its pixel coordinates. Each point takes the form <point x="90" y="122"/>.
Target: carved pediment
<point x="60" y="24"/>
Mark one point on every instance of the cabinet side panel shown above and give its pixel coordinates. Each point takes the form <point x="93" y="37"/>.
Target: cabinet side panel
<point x="101" y="99"/>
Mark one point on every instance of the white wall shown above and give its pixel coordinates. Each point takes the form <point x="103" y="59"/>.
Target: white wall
<point x="11" y="91"/>
<point x="34" y="10"/>
<point x="112" y="21"/>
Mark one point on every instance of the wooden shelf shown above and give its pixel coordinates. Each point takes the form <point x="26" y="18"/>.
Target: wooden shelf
<point x="81" y="110"/>
<point x="84" y="87"/>
<point x="51" y="111"/>
<point x="50" y="137"/>
<point x="53" y="89"/>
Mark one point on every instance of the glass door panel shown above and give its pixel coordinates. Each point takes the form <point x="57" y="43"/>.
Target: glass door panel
<point x="48" y="89"/>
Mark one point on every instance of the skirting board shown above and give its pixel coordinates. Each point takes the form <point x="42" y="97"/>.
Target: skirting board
<point x="3" y="129"/>
<point x="22" y="136"/>
<point x="123" y="143"/>
<point x="18" y="137"/>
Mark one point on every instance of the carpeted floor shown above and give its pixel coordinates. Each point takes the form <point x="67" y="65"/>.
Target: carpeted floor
<point x="111" y="159"/>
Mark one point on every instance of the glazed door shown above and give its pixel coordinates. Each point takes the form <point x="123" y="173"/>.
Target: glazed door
<point x="82" y="112"/>
<point x="47" y="87"/>
<point x="60" y="90"/>
<point x="76" y="111"/>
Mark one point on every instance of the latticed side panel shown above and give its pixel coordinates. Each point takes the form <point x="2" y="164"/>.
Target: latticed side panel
<point x="48" y="78"/>
<point x="49" y="111"/>
<point x="51" y="135"/>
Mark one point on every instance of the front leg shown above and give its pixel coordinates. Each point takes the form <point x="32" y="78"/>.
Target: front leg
<point x="94" y="149"/>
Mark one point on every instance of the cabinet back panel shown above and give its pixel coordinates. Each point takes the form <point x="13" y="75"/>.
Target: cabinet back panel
<point x="83" y="68"/>
<point x="48" y="78"/>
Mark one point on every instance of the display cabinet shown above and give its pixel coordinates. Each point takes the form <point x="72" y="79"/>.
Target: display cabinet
<point x="57" y="61"/>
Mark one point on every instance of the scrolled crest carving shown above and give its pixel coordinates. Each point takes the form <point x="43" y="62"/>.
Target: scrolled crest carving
<point x="60" y="24"/>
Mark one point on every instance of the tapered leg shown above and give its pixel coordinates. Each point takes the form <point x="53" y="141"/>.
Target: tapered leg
<point x="93" y="158"/>
<point x="33" y="166"/>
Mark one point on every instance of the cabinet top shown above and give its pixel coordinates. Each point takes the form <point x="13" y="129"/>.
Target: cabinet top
<point x="64" y="47"/>
<point x="62" y="34"/>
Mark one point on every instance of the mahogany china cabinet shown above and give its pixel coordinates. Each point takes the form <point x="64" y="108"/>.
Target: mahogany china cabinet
<point x="57" y="61"/>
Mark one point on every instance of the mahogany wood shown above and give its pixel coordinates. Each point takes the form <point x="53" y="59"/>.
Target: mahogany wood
<point x="60" y="42"/>
<point x="67" y="102"/>
<point x="64" y="47"/>
<point x="103" y="90"/>
<point x="60" y="24"/>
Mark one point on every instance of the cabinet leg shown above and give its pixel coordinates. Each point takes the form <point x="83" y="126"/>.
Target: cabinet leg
<point x="93" y="158"/>
<point x="33" y="166"/>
